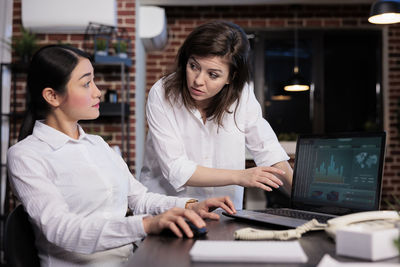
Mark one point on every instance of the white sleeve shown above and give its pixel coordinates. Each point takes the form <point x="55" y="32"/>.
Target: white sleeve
<point x="139" y="200"/>
<point x="171" y="154"/>
<point x="50" y="214"/>
<point x="153" y="203"/>
<point x="261" y="140"/>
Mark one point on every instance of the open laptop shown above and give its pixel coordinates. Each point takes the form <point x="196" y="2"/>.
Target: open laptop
<point x="334" y="174"/>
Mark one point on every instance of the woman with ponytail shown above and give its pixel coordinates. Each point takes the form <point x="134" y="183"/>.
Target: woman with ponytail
<point x="74" y="187"/>
<point x="46" y="71"/>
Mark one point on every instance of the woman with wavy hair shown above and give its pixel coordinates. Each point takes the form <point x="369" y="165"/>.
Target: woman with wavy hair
<point x="203" y="116"/>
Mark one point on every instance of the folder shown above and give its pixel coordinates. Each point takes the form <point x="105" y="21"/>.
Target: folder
<point x="248" y="251"/>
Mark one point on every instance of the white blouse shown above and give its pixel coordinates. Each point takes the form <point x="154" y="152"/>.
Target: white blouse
<point x="178" y="141"/>
<point x="76" y="193"/>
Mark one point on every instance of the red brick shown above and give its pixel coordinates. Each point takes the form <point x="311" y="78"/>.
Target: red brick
<point x="58" y="37"/>
<point x="313" y="23"/>
<point x="122" y="13"/>
<point x="130" y="21"/>
<point x="277" y="23"/>
<point x="332" y="22"/>
<point x="77" y="37"/>
<point x="130" y="5"/>
<point x="258" y="23"/>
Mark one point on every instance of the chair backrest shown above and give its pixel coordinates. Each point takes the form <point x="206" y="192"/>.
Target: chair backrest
<point x="19" y="240"/>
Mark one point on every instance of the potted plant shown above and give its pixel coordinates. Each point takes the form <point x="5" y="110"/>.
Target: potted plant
<point x="23" y="46"/>
<point x="101" y="46"/>
<point x="121" y="48"/>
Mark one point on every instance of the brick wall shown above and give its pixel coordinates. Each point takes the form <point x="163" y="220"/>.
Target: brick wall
<point x="181" y="20"/>
<point x="106" y="78"/>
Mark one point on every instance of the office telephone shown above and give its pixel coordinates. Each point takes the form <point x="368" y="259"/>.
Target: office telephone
<point x="384" y="218"/>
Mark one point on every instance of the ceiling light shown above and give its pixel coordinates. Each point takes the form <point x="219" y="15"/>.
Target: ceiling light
<point x="385" y="12"/>
<point x="296" y="83"/>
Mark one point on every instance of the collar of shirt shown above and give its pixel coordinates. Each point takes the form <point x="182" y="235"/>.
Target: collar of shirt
<point x="55" y="138"/>
<point x="196" y="113"/>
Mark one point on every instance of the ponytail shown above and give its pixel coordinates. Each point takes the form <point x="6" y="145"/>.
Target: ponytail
<point x="27" y="124"/>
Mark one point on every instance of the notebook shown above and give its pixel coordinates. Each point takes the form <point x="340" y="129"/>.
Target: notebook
<point x="248" y="251"/>
<point x="334" y="174"/>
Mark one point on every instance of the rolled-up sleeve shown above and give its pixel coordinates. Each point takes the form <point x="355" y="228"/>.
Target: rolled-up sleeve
<point x="261" y="140"/>
<point x="171" y="154"/>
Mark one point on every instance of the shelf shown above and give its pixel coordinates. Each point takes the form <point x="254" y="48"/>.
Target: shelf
<point x="112" y="60"/>
<point x="113" y="109"/>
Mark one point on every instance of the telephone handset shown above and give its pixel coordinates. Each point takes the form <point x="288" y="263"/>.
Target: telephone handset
<point x="360" y="217"/>
<point x="330" y="227"/>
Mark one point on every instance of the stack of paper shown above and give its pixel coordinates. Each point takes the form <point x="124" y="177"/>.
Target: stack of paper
<point x="247" y="251"/>
<point x="328" y="261"/>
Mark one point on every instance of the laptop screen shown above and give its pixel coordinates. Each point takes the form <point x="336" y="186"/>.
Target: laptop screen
<point x="338" y="174"/>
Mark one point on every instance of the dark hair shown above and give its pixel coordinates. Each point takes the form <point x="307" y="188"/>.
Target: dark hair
<point x="51" y="66"/>
<point x="216" y="38"/>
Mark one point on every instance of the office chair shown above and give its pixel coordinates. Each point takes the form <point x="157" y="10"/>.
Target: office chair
<point x="19" y="240"/>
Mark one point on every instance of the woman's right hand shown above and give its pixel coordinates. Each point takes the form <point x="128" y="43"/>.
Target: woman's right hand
<point x="173" y="219"/>
<point x="261" y="177"/>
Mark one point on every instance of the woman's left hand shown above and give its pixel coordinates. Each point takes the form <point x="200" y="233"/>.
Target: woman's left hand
<point x="205" y="208"/>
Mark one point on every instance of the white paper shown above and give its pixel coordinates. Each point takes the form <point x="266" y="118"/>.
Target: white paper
<point x="247" y="251"/>
<point x="328" y="261"/>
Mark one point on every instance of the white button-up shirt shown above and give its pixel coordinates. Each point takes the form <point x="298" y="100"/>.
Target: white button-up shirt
<point x="178" y="141"/>
<point x="76" y="193"/>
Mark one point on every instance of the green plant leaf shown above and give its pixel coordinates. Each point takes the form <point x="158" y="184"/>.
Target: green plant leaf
<point x="121" y="46"/>
<point x="397" y="243"/>
<point x="101" y="44"/>
<point x="25" y="45"/>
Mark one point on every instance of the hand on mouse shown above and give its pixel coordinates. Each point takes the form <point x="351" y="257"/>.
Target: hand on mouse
<point x="174" y="220"/>
<point x="205" y="208"/>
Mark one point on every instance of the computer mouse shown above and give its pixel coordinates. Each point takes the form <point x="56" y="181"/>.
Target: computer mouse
<point x="197" y="232"/>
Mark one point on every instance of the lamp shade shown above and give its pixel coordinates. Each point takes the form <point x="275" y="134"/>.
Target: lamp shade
<point x="296" y="83"/>
<point x="385" y="12"/>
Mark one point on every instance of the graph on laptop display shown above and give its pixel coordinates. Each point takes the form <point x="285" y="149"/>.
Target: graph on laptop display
<point x="343" y="172"/>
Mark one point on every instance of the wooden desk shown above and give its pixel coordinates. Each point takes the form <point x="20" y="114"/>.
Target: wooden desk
<point x="168" y="251"/>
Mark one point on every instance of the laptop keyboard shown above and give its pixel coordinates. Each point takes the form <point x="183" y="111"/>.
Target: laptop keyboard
<point x="297" y="214"/>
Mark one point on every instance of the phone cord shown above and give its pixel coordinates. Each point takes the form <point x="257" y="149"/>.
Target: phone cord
<point x="257" y="234"/>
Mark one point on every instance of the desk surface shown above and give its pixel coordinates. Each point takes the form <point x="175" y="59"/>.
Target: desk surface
<point x="168" y="251"/>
